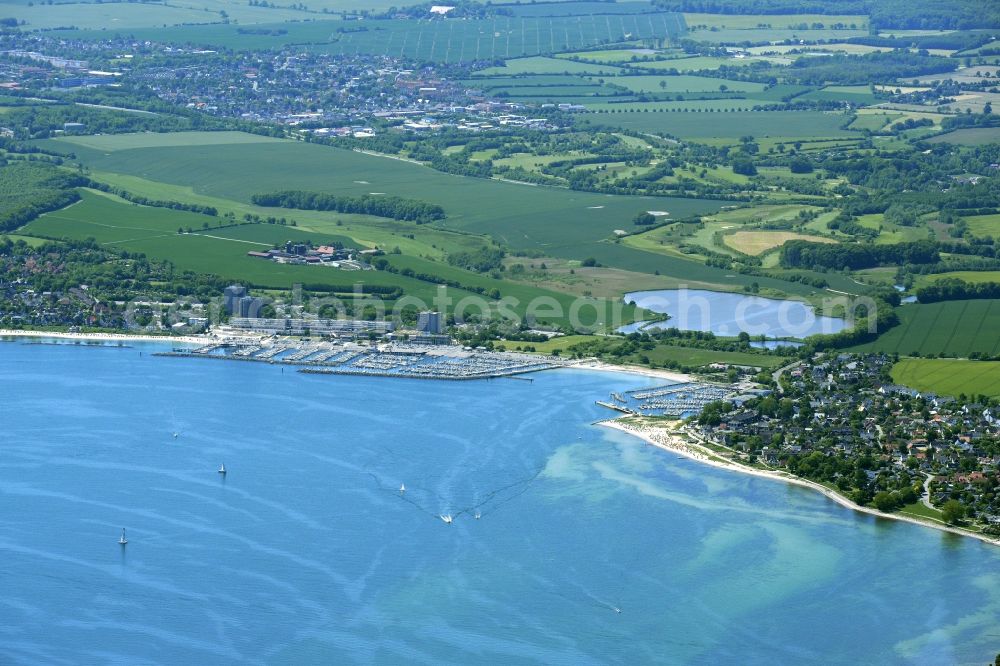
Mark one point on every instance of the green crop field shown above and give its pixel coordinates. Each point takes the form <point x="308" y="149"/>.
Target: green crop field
<point x="111" y="220"/>
<point x="953" y="327"/>
<point x="113" y="142"/>
<point x="615" y="56"/>
<point x="560" y="223"/>
<point x="857" y="95"/>
<point x="976" y="136"/>
<point x="693" y="63"/>
<point x="873" y="121"/>
<point x="694" y="357"/>
<point x="948" y="376"/>
<point x="499" y="37"/>
<point x="984" y="225"/>
<point x="622" y="105"/>
<point x="153" y="231"/>
<point x="543" y="65"/>
<point x="791" y="125"/>
<point x="776" y="21"/>
<point x="683" y="84"/>
<point x="521" y="216"/>
<point x="128" y="15"/>
<point x="365" y="230"/>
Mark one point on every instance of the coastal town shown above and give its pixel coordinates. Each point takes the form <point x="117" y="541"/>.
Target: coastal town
<point x="832" y="418"/>
<point x="839" y="421"/>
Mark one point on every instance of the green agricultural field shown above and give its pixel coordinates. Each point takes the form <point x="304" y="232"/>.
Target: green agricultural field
<point x="128" y="15"/>
<point x="111" y="220"/>
<point x="109" y="143"/>
<point x="682" y="84"/>
<point x="857" y="95"/>
<point x="693" y="64"/>
<point x="728" y="36"/>
<point x="695" y="357"/>
<point x="364" y="230"/>
<point x="789" y="125"/>
<point x="30" y="240"/>
<point x="967" y="276"/>
<point x="984" y="225"/>
<point x="560" y="223"/>
<point x="953" y="327"/>
<point x="561" y="343"/>
<point x="500" y="37"/>
<point x="520" y="216"/>
<point x="976" y="136"/>
<point x="543" y="65"/>
<point x="721" y="105"/>
<point x="616" y="56"/>
<point x="776" y="21"/>
<point x="873" y="121"/>
<point x="153" y="231"/>
<point x="889" y="232"/>
<point x="948" y="376"/>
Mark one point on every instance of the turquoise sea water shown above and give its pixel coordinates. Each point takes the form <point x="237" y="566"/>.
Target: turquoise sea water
<point x="306" y="552"/>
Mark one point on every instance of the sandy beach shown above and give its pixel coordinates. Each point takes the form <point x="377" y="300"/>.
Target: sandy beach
<point x="106" y="337"/>
<point x="667" y="440"/>
<point x="593" y="364"/>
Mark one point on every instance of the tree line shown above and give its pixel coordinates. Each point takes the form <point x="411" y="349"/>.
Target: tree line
<point x="805" y="254"/>
<point x="396" y="208"/>
<point x="953" y="289"/>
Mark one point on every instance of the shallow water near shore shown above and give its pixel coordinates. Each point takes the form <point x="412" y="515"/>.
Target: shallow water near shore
<point x="590" y="547"/>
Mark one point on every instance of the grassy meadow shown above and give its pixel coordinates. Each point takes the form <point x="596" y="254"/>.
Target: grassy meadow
<point x="954" y="327"/>
<point x="949" y="376"/>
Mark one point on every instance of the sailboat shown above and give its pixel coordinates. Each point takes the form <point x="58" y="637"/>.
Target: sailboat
<point x="222" y="469"/>
<point x="402" y="488"/>
<point x="478" y="515"/>
<point x="446" y="518"/>
<point x="175" y="435"/>
<point x="122" y="540"/>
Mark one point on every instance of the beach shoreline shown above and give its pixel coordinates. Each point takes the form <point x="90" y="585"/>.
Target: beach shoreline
<point x="666" y="441"/>
<point x="601" y="366"/>
<point x="105" y="337"/>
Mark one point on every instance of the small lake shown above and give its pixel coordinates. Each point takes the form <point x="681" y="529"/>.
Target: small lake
<point x="729" y="314"/>
<point x="775" y="344"/>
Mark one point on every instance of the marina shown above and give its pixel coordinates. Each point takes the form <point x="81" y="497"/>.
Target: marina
<point x="386" y="360"/>
<point x="679" y="399"/>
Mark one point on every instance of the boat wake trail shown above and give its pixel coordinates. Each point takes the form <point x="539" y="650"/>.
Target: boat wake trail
<point x="491" y="501"/>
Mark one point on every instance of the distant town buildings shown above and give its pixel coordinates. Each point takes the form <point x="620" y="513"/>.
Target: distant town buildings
<point x="292" y="326"/>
